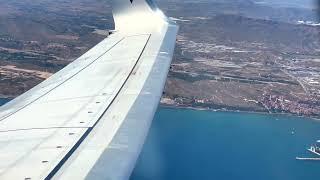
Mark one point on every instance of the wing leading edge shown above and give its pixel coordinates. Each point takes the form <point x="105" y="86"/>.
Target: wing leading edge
<point x="90" y="119"/>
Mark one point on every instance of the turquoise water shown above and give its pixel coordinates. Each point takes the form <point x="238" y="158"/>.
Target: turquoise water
<point x="187" y="144"/>
<point x="3" y="101"/>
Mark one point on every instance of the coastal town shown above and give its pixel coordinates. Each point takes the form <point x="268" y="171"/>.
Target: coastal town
<point x="240" y="61"/>
<point x="244" y="62"/>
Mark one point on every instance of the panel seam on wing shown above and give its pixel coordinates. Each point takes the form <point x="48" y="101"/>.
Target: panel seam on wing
<point x="8" y="115"/>
<point x="83" y="137"/>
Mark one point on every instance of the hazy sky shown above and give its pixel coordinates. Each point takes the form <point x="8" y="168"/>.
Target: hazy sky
<point x="292" y="3"/>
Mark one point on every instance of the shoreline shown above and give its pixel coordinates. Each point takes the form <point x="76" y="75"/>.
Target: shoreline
<point x="236" y="111"/>
<point x="215" y="110"/>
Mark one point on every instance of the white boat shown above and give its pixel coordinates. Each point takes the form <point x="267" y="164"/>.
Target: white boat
<point x="314" y="149"/>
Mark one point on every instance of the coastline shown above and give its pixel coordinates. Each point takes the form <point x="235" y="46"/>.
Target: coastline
<point x="236" y="111"/>
<point x="4" y="100"/>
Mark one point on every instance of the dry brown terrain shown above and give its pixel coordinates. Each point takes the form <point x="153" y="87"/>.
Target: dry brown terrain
<point x="243" y="56"/>
<point x="39" y="37"/>
<point x="230" y="55"/>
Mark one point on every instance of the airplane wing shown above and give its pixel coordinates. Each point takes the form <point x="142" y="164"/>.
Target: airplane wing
<point x="90" y="119"/>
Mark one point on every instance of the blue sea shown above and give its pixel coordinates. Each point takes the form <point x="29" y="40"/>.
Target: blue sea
<point x="3" y="101"/>
<point x="187" y="144"/>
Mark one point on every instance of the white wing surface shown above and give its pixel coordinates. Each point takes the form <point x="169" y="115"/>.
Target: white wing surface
<point x="90" y="119"/>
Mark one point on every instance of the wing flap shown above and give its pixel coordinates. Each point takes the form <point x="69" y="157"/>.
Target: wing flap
<point x="42" y="133"/>
<point x="81" y="100"/>
<point x="115" y="142"/>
